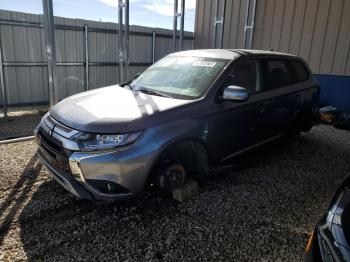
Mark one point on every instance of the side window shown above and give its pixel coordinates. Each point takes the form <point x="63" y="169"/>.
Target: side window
<point x="244" y="75"/>
<point x="300" y="73"/>
<point x="276" y="74"/>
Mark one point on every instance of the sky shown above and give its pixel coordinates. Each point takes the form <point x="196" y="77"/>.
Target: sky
<point x="151" y="13"/>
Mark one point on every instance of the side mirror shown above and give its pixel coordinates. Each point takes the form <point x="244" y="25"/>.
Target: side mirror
<point x="235" y="93"/>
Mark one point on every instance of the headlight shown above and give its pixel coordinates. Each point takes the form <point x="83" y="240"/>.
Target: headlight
<point x="93" y="142"/>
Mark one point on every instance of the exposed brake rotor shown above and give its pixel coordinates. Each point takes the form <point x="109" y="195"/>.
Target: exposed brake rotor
<point x="172" y="177"/>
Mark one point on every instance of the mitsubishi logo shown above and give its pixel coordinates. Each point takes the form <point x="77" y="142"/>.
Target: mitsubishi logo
<point x="51" y="130"/>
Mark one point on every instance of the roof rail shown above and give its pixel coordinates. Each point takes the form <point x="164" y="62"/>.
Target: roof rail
<point x="240" y="51"/>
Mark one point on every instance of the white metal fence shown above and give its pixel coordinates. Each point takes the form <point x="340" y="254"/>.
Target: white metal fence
<point x="87" y="55"/>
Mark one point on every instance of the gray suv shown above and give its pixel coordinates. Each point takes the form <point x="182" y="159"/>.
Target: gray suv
<point x="189" y="111"/>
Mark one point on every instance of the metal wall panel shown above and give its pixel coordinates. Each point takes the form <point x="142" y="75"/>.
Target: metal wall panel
<point x="229" y="9"/>
<point x="24" y="43"/>
<point x="317" y="30"/>
<point x="198" y="24"/>
<point x="234" y="21"/>
<point x="204" y="24"/>
<point x="231" y="27"/>
<point x="341" y="59"/>
<point x="19" y="35"/>
<point x="8" y="54"/>
<point x="287" y="23"/>
<point x="331" y="36"/>
<point x="319" y="33"/>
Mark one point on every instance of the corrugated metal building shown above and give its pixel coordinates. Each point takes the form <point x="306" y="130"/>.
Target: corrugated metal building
<point x="317" y="30"/>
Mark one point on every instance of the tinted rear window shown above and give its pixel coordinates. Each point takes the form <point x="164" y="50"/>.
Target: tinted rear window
<point x="276" y="73"/>
<point x="300" y="73"/>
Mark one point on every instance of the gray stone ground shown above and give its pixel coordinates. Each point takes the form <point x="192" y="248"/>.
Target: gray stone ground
<point x="261" y="210"/>
<point x="19" y="124"/>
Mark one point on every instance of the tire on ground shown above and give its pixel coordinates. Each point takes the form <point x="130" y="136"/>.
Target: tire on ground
<point x="303" y="121"/>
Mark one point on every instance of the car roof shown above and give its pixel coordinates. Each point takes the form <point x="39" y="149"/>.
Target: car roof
<point x="209" y="53"/>
<point x="230" y="54"/>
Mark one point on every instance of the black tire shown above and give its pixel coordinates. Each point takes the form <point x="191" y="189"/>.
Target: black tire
<point x="306" y="120"/>
<point x="302" y="122"/>
<point x="294" y="130"/>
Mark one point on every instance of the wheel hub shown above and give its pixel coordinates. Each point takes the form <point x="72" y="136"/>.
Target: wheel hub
<point x="173" y="176"/>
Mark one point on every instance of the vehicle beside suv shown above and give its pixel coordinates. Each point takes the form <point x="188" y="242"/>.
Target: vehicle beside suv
<point x="190" y="110"/>
<point x="331" y="237"/>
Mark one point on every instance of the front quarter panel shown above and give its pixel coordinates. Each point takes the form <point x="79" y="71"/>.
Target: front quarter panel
<point x="128" y="166"/>
<point x="131" y="166"/>
<point x="181" y="130"/>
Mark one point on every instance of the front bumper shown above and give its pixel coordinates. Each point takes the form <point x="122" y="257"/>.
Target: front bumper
<point x="99" y="176"/>
<point x="80" y="189"/>
<point x="65" y="179"/>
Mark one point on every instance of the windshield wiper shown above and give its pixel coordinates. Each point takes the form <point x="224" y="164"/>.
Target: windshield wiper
<point x="127" y="83"/>
<point x="151" y="92"/>
<point x="129" y="86"/>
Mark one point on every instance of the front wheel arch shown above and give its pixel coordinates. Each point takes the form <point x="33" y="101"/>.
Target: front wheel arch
<point x="195" y="153"/>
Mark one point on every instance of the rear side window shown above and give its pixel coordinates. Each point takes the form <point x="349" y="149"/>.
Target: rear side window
<point x="300" y="73"/>
<point x="276" y="74"/>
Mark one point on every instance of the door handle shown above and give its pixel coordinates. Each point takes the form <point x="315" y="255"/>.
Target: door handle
<point x="261" y="108"/>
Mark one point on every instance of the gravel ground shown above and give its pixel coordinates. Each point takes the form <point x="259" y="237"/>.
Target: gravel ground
<point x="19" y="124"/>
<point x="261" y="210"/>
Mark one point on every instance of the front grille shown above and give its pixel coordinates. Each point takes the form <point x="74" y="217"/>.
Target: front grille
<point x="53" y="151"/>
<point x="58" y="128"/>
<point x="50" y="120"/>
<point x="63" y="128"/>
<point x="50" y="142"/>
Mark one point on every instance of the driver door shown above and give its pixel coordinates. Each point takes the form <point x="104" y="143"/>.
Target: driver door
<point x="235" y="121"/>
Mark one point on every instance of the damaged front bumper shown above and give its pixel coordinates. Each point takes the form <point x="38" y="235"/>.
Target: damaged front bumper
<point x="104" y="176"/>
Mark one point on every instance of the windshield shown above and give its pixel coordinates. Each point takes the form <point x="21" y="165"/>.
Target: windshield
<point x="180" y="77"/>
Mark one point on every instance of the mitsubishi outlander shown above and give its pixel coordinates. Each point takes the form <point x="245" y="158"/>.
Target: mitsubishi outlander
<point x="189" y="111"/>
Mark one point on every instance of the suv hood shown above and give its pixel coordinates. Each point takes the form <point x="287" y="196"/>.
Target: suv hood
<point x="109" y="109"/>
